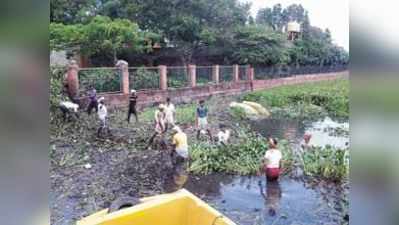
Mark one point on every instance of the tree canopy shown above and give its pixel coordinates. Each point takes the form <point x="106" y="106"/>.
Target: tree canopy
<point x="103" y="35"/>
<point x="189" y="26"/>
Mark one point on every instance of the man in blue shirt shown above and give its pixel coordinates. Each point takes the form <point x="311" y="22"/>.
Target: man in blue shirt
<point x="202" y="120"/>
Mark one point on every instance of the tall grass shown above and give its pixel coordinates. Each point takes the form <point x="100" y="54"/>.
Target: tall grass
<point x="332" y="96"/>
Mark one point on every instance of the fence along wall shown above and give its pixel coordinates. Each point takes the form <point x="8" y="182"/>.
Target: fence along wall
<point x="185" y="84"/>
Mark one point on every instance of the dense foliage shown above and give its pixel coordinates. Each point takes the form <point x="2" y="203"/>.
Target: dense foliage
<point x="56" y="85"/>
<point x="101" y="35"/>
<point x="329" y="163"/>
<point x="243" y="157"/>
<point x="307" y="99"/>
<point x="224" y="27"/>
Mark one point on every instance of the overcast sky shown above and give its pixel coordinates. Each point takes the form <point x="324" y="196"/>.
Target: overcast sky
<point x="331" y="14"/>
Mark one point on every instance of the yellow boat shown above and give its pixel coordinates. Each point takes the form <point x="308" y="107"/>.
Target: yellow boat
<point x="178" y="208"/>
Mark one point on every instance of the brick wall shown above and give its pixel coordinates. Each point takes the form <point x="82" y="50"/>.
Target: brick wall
<point x="189" y="94"/>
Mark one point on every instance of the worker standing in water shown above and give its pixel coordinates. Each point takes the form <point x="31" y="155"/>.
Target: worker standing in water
<point x="160" y="127"/>
<point x="132" y="106"/>
<point x="272" y="161"/>
<point x="169" y="114"/>
<point x="202" y="120"/>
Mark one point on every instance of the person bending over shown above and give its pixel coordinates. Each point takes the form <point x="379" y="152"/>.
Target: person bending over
<point x="159" y="126"/>
<point x="179" y="142"/>
<point x="68" y="109"/>
<point x="223" y="135"/>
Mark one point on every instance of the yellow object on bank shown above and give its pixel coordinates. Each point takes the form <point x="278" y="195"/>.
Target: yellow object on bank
<point x="178" y="208"/>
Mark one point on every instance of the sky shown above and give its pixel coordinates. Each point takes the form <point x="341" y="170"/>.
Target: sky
<point x="331" y="14"/>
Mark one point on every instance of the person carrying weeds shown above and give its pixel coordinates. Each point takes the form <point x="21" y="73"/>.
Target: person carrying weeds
<point x="202" y="119"/>
<point x="169" y="114"/>
<point x="69" y="108"/>
<point x="132" y="106"/>
<point x="160" y="127"/>
<point x="272" y="161"/>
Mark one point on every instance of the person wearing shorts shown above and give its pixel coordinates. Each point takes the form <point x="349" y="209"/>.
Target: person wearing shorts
<point x="202" y="120"/>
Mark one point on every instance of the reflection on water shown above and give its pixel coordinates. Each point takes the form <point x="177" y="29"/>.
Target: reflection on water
<point x="272" y="196"/>
<point x="251" y="200"/>
<point x="294" y="130"/>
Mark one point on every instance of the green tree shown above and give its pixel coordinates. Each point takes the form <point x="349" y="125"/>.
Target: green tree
<point x="71" y="11"/>
<point x="259" y="45"/>
<point x="101" y="35"/>
<point x="191" y="25"/>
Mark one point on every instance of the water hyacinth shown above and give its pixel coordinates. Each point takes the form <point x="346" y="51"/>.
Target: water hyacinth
<point x="243" y="157"/>
<point x="328" y="163"/>
<point x="306" y="100"/>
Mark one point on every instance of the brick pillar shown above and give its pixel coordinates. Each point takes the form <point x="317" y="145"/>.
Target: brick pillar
<point x="192" y="75"/>
<point x="123" y="66"/>
<point x="236" y="71"/>
<point x="73" y="79"/>
<point x="215" y="74"/>
<point x="163" y="77"/>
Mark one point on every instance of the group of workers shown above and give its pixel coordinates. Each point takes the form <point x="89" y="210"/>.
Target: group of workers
<point x="165" y="120"/>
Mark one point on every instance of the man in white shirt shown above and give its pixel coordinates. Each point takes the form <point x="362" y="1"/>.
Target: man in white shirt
<point x="102" y="115"/>
<point x="69" y="108"/>
<point x="272" y="161"/>
<point x="169" y="114"/>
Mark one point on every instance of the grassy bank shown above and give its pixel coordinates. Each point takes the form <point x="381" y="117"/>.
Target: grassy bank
<point x="306" y="100"/>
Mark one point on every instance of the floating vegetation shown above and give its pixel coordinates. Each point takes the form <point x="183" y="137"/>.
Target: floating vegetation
<point x="326" y="162"/>
<point x="243" y="157"/>
<point x="300" y="100"/>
